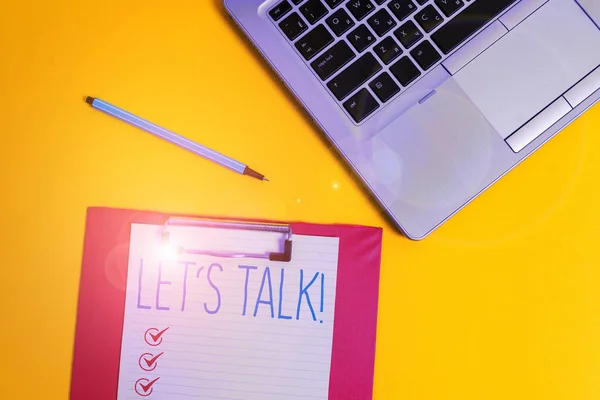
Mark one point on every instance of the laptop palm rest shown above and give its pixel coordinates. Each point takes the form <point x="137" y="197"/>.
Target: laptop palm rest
<point x="532" y="66"/>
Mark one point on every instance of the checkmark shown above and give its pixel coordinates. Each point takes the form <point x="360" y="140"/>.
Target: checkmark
<point x="148" y="386"/>
<point x="158" y="335"/>
<point x="151" y="361"/>
<point x="143" y="387"/>
<point x="148" y="361"/>
<point x="154" y="337"/>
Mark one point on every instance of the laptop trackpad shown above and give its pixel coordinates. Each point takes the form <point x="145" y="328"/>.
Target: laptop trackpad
<point x="532" y="65"/>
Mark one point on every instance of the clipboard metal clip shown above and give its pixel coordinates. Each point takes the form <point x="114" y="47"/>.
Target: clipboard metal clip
<point x="284" y="256"/>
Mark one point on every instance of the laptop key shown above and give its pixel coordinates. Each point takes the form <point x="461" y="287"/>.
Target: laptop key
<point x="360" y="8"/>
<point x="467" y="22"/>
<point x="354" y="76"/>
<point x="293" y="26"/>
<point x="408" y="34"/>
<point x="361" y="38"/>
<point x="361" y="105"/>
<point x="340" y="22"/>
<point x="333" y="3"/>
<point x="296" y="2"/>
<point x="405" y="71"/>
<point x="428" y="18"/>
<point x="333" y="59"/>
<point x="314" y="41"/>
<point x="313" y="11"/>
<point x="387" y="50"/>
<point x="425" y="55"/>
<point x="402" y="8"/>
<point x="449" y="7"/>
<point x="382" y="22"/>
<point x="280" y="10"/>
<point x="384" y="87"/>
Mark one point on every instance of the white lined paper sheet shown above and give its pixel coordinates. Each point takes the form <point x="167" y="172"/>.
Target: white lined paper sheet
<point x="203" y="327"/>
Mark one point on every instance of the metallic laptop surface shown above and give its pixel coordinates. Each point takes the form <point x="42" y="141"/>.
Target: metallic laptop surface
<point x="431" y="101"/>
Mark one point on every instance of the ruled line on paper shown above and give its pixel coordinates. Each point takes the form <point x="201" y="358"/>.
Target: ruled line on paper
<point x="312" y="376"/>
<point x="246" y="392"/>
<point x="228" y="329"/>
<point x="131" y="397"/>
<point x="257" y="324"/>
<point x="254" y="341"/>
<point x="238" y="330"/>
<point x="139" y="347"/>
<point x="271" y="374"/>
<point x="313" y="367"/>
<point x="222" y="371"/>
<point x="239" y="392"/>
<point x="271" y="384"/>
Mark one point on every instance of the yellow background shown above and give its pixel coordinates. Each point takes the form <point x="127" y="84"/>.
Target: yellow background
<point x="502" y="302"/>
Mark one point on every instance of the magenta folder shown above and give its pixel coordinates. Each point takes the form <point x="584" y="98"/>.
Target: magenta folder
<point x="101" y="307"/>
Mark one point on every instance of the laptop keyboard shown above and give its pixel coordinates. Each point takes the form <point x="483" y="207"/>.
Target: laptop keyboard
<point x="366" y="52"/>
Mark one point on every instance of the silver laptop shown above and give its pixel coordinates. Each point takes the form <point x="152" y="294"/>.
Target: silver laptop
<point x="431" y="101"/>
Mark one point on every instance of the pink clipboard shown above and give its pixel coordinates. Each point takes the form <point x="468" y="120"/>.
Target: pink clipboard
<point x="101" y="305"/>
